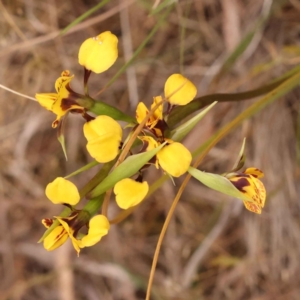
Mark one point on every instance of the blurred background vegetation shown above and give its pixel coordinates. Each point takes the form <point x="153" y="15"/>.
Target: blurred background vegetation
<point x="214" y="248"/>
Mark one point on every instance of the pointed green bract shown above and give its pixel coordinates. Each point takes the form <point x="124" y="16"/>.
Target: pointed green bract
<point x="82" y="169"/>
<point x="181" y="131"/>
<point x="217" y="183"/>
<point x="61" y="139"/>
<point x="126" y="169"/>
<point x="241" y="158"/>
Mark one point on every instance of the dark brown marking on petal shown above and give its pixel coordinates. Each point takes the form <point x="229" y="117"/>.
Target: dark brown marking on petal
<point x="47" y="222"/>
<point x="241" y="183"/>
<point x="77" y="111"/>
<point x="60" y="235"/>
<point x="72" y="94"/>
<point x="161" y="126"/>
<point x="252" y="207"/>
<point x="55" y="123"/>
<point x="67" y="104"/>
<point x="145" y="145"/>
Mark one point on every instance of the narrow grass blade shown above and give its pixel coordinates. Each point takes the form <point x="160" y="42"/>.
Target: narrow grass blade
<point x="141" y="47"/>
<point x="84" y="16"/>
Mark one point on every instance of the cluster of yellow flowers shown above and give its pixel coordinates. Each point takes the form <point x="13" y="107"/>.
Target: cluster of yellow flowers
<point x="104" y="137"/>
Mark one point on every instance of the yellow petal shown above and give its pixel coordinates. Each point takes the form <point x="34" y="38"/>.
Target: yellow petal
<point x="175" y="159"/>
<point x="179" y="90"/>
<point x="254" y="172"/>
<point x="70" y="232"/>
<point x="130" y="192"/>
<point x="252" y="207"/>
<point x="104" y="136"/>
<point x="101" y="126"/>
<point x="149" y="142"/>
<point x="46" y="100"/>
<point x="47" y="222"/>
<point x="98" y="227"/>
<point x="75" y="243"/>
<point x="99" y="53"/>
<point x="141" y="112"/>
<point x="62" y="191"/>
<point x="62" y="105"/>
<point x="61" y="83"/>
<point x="254" y="189"/>
<point x="158" y="113"/>
<point x="56" y="238"/>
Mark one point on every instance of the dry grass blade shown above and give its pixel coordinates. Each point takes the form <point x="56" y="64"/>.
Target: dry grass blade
<point x="250" y="257"/>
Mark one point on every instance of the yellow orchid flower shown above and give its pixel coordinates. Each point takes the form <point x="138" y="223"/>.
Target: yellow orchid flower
<point x="62" y="191"/>
<point x="69" y="227"/>
<point x="179" y="90"/>
<point x="130" y="192"/>
<point x="155" y="123"/>
<point x="142" y="111"/>
<point x="61" y="102"/>
<point x="174" y="158"/>
<point x="104" y="137"/>
<point x="99" y="53"/>
<point x="249" y="184"/>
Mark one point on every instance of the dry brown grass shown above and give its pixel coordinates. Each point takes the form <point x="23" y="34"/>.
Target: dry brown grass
<point x="214" y="248"/>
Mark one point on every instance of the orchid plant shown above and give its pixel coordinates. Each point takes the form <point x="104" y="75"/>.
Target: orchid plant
<point x="152" y="141"/>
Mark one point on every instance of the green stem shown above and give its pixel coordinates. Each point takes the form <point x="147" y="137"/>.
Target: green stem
<point x="97" y="178"/>
<point x="101" y="108"/>
<point x="93" y="206"/>
<point x="181" y="112"/>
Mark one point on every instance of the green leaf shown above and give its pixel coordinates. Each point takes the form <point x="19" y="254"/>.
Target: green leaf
<point x="127" y="168"/>
<point x="218" y="183"/>
<point x="257" y="106"/>
<point x="181" y="131"/>
<point x="82" y="169"/>
<point x="180" y="112"/>
<point x="91" y="184"/>
<point x="101" y="108"/>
